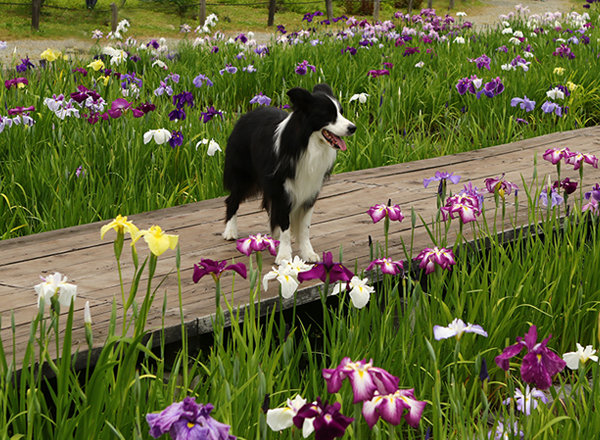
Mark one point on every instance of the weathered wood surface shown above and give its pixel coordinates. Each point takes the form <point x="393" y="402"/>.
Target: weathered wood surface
<point x="339" y="219"/>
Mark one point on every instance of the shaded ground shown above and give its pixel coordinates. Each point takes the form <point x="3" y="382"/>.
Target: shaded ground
<point x="483" y="16"/>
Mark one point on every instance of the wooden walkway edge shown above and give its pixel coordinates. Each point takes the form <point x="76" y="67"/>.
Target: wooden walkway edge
<point x="339" y="219"/>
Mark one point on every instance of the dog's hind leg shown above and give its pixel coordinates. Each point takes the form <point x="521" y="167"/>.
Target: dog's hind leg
<point x="302" y="230"/>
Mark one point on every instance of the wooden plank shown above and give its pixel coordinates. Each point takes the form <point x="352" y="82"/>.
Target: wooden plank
<point x="339" y="219"/>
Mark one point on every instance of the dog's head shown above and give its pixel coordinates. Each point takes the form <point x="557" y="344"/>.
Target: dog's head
<point x="323" y="113"/>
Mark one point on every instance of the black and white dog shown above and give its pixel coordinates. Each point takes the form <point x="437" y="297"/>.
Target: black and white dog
<point x="286" y="157"/>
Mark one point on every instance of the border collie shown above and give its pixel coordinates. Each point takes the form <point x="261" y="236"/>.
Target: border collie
<point x="286" y="157"/>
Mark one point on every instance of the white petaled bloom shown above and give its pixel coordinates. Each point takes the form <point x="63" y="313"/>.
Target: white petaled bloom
<point x="360" y="291"/>
<point x="213" y="147"/>
<point x="518" y="34"/>
<point x="528" y="55"/>
<point x="461" y="14"/>
<point x="87" y="316"/>
<point x="420" y="64"/>
<point x="160" y="64"/>
<point x="575" y="359"/>
<point x="459" y="40"/>
<point x="286" y="277"/>
<point x="528" y="400"/>
<point x="56" y="285"/>
<point x="477" y="82"/>
<point x="361" y="97"/>
<point x="282" y="418"/>
<point x="507" y="31"/>
<point x="160" y="136"/>
<point x="297" y="265"/>
<point x="514" y="40"/>
<point x="456" y="328"/>
<point x="555" y="93"/>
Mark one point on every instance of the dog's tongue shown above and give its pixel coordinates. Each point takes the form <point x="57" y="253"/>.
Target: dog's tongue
<point x="339" y="141"/>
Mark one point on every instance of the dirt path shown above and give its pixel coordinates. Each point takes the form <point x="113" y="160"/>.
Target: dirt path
<point x="486" y="15"/>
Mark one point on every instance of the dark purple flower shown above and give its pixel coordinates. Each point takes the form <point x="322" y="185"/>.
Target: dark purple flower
<point x="130" y="78"/>
<point x="351" y="50"/>
<point x="242" y="38"/>
<point x="564" y="51"/>
<point x="153" y="43"/>
<point x="182" y="99"/>
<point x="146" y="107"/>
<point x="135" y="58"/>
<point x="567" y="185"/>
<point x="25" y="64"/>
<point x="210" y="113"/>
<point x="482" y="62"/>
<point x="328" y="422"/>
<point x="377" y="73"/>
<point x="410" y="51"/>
<point x="302" y="68"/>
<point x="281" y="28"/>
<point x="177" y="115"/>
<point x="176" y="139"/>
<point x="335" y="271"/>
<point x="17" y="82"/>
<point x="117" y="107"/>
<point x="503" y="49"/>
<point x="214" y="49"/>
<point x="539" y="364"/>
<point x="492" y="88"/>
<point x="216" y="268"/>
<point x="483" y="371"/>
<point x="188" y="420"/>
<point x="80" y="70"/>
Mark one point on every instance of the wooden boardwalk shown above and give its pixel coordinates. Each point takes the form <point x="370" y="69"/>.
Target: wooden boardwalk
<point x="339" y="219"/>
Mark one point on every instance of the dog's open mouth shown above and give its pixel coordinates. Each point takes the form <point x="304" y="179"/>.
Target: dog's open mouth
<point x="335" y="141"/>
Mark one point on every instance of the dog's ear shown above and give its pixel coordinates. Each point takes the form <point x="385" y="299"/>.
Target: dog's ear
<point x="323" y="88"/>
<point x="301" y="98"/>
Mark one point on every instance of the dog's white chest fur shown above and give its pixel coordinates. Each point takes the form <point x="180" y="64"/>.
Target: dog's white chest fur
<point x="314" y="163"/>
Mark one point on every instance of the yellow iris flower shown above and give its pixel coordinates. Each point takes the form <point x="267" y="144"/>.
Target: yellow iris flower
<point x="120" y="225"/>
<point x="96" y="65"/>
<point x="50" y="55"/>
<point x="157" y="240"/>
<point x="559" y="70"/>
<point x="105" y="79"/>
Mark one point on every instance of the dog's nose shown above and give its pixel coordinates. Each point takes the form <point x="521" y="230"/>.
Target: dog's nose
<point x="351" y="129"/>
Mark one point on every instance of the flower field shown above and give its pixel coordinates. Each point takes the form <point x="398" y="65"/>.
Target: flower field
<point x="497" y="342"/>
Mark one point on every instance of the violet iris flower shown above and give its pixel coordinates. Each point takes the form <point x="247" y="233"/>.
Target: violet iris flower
<point x="577" y="159"/>
<point x="551" y="107"/>
<point x="229" y="69"/>
<point x="364" y="378"/>
<point x="200" y="79"/>
<point x="25" y="64"/>
<point x="539" y="364"/>
<point x="261" y="99"/>
<point x="146" y="107"/>
<point x="492" y="88"/>
<point x="431" y="256"/>
<point x="594" y="193"/>
<point x="457" y="328"/>
<point x="410" y="51"/>
<point x="177" y="115"/>
<point x="257" y="243"/>
<point x="327" y="421"/>
<point x="216" y="269"/>
<point x="554" y="155"/>
<point x="351" y="50"/>
<point x="564" y="51"/>
<point x="182" y="99"/>
<point x="210" y="113"/>
<point x="387" y="266"/>
<point x="327" y="268"/>
<point x="188" y="420"/>
<point x="163" y="88"/>
<point x="441" y="177"/>
<point x="524" y="103"/>
<point x="555" y="198"/>
<point x="80" y="70"/>
<point x="482" y="62"/>
<point x="472" y="191"/>
<point x="176" y="139"/>
<point x="391" y="408"/>
<point x="302" y="68"/>
<point x="381" y="211"/>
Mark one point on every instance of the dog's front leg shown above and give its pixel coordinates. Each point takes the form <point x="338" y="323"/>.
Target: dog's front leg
<point x="284" y="253"/>
<point x="280" y="226"/>
<point x="306" y="250"/>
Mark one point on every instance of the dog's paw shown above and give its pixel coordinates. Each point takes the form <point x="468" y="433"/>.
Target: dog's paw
<point x="283" y="256"/>
<point x="229" y="234"/>
<point x="310" y="257"/>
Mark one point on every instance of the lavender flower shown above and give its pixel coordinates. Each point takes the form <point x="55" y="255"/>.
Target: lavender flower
<point x="524" y="103"/>
<point x="555" y="198"/>
<point x="210" y="113"/>
<point x="200" y="79"/>
<point x="482" y="62"/>
<point x="302" y="68"/>
<point x="456" y="328"/>
<point x="229" y="69"/>
<point x="261" y="99"/>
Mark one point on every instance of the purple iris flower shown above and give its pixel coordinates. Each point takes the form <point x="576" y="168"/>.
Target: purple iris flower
<point x="20" y="110"/>
<point x="387" y="266"/>
<point x="15" y="82"/>
<point x="482" y="62"/>
<point x="257" y="243"/>
<point x="577" y="158"/>
<point x="182" y="99"/>
<point x="163" y="88"/>
<point x="188" y="420"/>
<point x="555" y="155"/>
<point x="80" y="70"/>
<point x="555" y="198"/>
<point x="521" y="121"/>
<point x="210" y="113"/>
<point x="153" y="43"/>
<point x="594" y="193"/>
<point x="25" y="64"/>
<point x="465" y="206"/>
<point x="492" y="88"/>
<point x="381" y="211"/>
<point x="130" y="78"/>
<point x="216" y="269"/>
<point x="80" y="172"/>
<point x="335" y="271"/>
<point x="242" y="38"/>
<point x="135" y="58"/>
<point x="567" y="185"/>
<point x="262" y="50"/>
<point x="117" y="107"/>
<point x="377" y="73"/>
<point x="177" y="115"/>
<point x="539" y="364"/>
<point x="503" y="49"/>
<point x="229" y="69"/>
<point x="431" y="256"/>
<point x="472" y="191"/>
<point x="327" y="420"/>
<point x="302" y="68"/>
<point x="176" y="139"/>
<point x="199" y="80"/>
<point x="483" y="371"/>
<point x="351" y="50"/>
<point x="564" y="51"/>
<point x="552" y="107"/>
<point x="146" y="107"/>
<point x="261" y="99"/>
<point x="410" y="51"/>
<point x="524" y="103"/>
<point x="281" y="28"/>
<point x="503" y="187"/>
<point x="214" y="49"/>
<point x="441" y="177"/>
